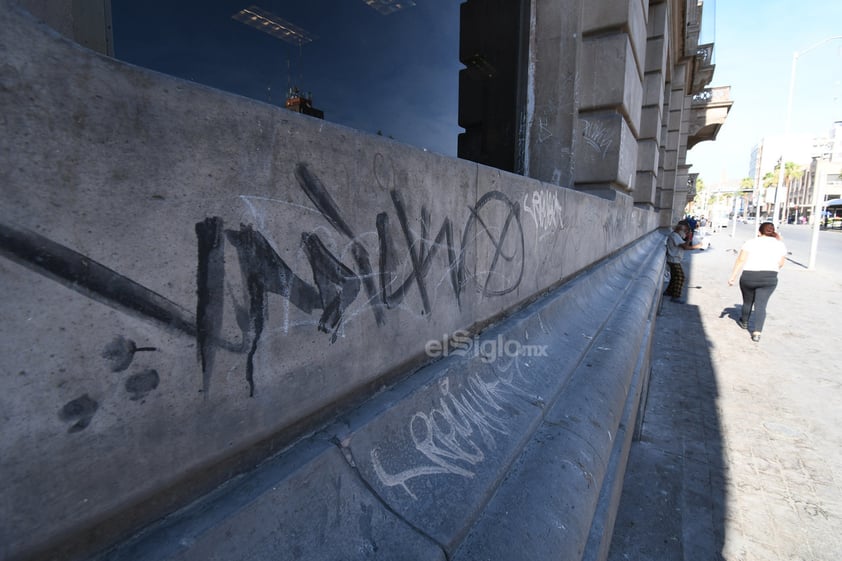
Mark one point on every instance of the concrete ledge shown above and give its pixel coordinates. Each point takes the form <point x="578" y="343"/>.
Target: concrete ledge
<point x="463" y="444"/>
<point x="550" y="498"/>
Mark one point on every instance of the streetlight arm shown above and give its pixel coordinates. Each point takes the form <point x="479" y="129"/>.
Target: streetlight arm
<point x="817" y="45"/>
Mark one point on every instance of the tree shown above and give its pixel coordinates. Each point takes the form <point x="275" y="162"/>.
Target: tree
<point x="771" y="178"/>
<point x="705" y="200"/>
<point x="792" y="171"/>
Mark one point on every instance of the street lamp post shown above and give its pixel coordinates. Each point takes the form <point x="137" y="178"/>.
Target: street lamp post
<point x="816" y="202"/>
<point x="780" y="185"/>
<point x="818" y="199"/>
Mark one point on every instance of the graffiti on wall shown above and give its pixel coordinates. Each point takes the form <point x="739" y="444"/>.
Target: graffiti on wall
<point x="545" y="210"/>
<point x="329" y="287"/>
<point x="597" y="136"/>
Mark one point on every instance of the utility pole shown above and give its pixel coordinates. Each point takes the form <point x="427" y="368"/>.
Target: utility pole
<point x="816" y="202"/>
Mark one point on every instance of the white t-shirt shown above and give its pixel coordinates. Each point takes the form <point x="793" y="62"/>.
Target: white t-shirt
<point x="763" y="254"/>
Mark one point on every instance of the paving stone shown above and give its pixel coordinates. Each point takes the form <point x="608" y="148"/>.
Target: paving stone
<point x="741" y="451"/>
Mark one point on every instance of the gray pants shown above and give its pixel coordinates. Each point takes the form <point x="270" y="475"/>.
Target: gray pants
<point x="757" y="287"/>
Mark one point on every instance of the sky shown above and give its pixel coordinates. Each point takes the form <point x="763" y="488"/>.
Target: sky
<point x="394" y="73"/>
<point x="754" y="42"/>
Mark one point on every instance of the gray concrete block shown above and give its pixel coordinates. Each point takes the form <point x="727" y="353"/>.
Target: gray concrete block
<point x="667" y="195"/>
<point x="638" y="32"/>
<point x="671" y="140"/>
<point x="675" y="117"/>
<point x="434" y="457"/>
<point x="651" y="124"/>
<point x="670" y="159"/>
<point x="653" y="91"/>
<point x="312" y="505"/>
<point x="543" y="511"/>
<point x="624" y="15"/>
<point x="603" y="14"/>
<point x="607" y="151"/>
<point x="610" y="77"/>
<point x="678" y="79"/>
<point x="629" y="16"/>
<point x="551" y="495"/>
<point x="656" y="56"/>
<point x="657" y="23"/>
<point x="645" y="186"/>
<point x="648" y="153"/>
<point x="599" y="539"/>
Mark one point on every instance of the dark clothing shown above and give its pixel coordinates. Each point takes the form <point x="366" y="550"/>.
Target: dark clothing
<point x="676" y="284"/>
<point x="757" y="287"/>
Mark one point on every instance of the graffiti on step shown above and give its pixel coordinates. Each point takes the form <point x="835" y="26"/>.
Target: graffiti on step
<point x="494" y="223"/>
<point x="466" y="422"/>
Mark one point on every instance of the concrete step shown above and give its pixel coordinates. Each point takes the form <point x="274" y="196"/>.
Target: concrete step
<point x="479" y="455"/>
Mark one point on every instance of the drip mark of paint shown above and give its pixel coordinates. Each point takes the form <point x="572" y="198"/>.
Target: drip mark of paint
<point x="142" y="383"/>
<point x="120" y="352"/>
<point x="81" y="410"/>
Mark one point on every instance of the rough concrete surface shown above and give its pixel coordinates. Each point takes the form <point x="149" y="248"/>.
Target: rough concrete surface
<point x="468" y="459"/>
<point x="741" y="450"/>
<point x="193" y="280"/>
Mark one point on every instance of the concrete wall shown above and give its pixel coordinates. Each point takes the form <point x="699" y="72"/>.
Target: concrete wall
<point x="192" y="281"/>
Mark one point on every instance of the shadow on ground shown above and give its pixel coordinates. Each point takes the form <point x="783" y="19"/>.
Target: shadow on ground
<point x="673" y="502"/>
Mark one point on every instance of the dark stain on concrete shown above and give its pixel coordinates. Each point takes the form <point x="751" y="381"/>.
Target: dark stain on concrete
<point x="81" y="410"/>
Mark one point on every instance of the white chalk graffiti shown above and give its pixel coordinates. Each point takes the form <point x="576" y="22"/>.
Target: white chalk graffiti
<point x="598" y="137"/>
<point x="544" y="132"/>
<point x="446" y="435"/>
<point x="544" y="209"/>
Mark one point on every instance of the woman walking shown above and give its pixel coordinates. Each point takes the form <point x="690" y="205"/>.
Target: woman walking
<point x="760" y="259"/>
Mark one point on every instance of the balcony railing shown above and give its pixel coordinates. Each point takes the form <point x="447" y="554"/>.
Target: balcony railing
<point x="710" y="96"/>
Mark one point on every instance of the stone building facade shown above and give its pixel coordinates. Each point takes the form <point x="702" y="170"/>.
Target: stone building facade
<point x="604" y="96"/>
<point x="236" y="331"/>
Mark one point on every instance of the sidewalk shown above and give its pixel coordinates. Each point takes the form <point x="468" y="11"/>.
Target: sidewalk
<point x="740" y="456"/>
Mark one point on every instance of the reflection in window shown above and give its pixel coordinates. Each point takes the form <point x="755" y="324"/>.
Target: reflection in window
<point x="396" y="75"/>
<point x="387" y="7"/>
<point x="275" y="26"/>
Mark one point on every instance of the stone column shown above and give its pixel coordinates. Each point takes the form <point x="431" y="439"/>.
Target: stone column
<point x="675" y="116"/>
<point x="676" y="133"/>
<point x="682" y="175"/>
<point x="611" y="94"/>
<point x="551" y="98"/>
<point x="652" y="114"/>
